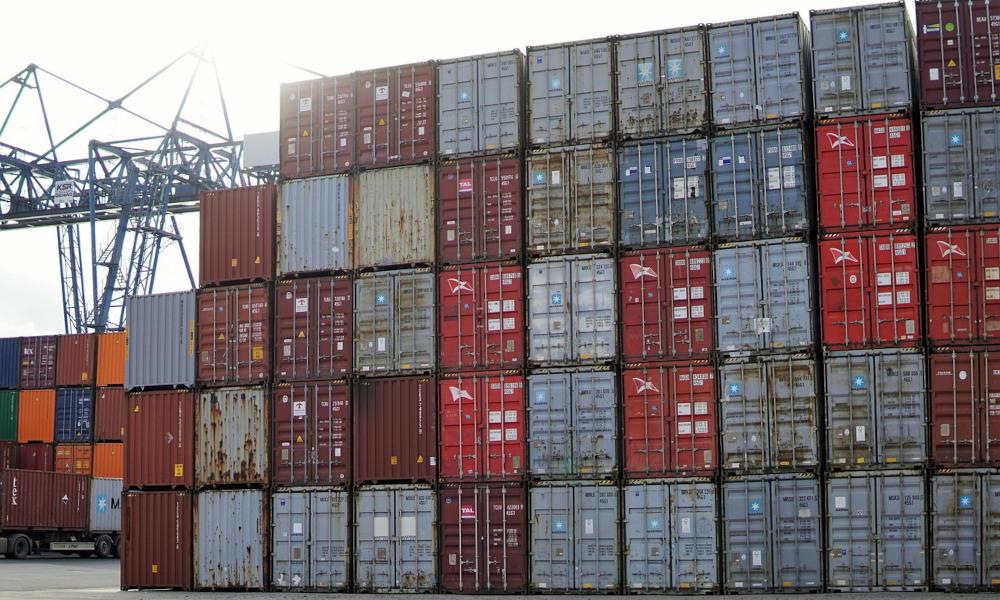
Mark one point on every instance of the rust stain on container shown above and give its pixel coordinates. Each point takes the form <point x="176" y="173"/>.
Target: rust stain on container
<point x="232" y="436"/>
<point x="109" y="460"/>
<point x="312" y="433"/>
<point x="36" y="416"/>
<point x="75" y="359"/>
<point x="159" y="447"/>
<point x="397" y="117"/>
<point x="43" y="501"/>
<point x="394" y="217"/>
<point x="111" y="353"/>
<point x="237" y="235"/>
<point x="234" y="335"/>
<point x="38" y="362"/>
<point x="74" y="458"/>
<point x="395" y="430"/>
<point x="109" y="414"/>
<point x="156" y="540"/>
<point x="317" y="127"/>
<point x="313" y="326"/>
<point x="36" y="457"/>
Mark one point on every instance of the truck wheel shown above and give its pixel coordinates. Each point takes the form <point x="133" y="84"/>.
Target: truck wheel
<point x="118" y="546"/>
<point x="104" y="546"/>
<point x="20" y="547"/>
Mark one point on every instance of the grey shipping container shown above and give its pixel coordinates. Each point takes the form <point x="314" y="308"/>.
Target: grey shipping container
<point x="661" y="82"/>
<point x="965" y="527"/>
<point x="759" y="70"/>
<point x="876" y="532"/>
<point x="572" y="318"/>
<point x="574" y="536"/>
<point x="961" y="165"/>
<point x="663" y="192"/>
<point x="310" y="543"/>
<point x="160" y="340"/>
<point x="763" y="296"/>
<point x="875" y="415"/>
<point x="769" y="414"/>
<point x="229" y="544"/>
<point x="571" y="199"/>
<point x="572" y="427"/>
<point x="395" y="540"/>
<point x="479" y="104"/>
<point x="232" y="436"/>
<point x="105" y="505"/>
<point x="314" y="225"/>
<point x="771" y="533"/>
<point x="863" y="59"/>
<point x="671" y="538"/>
<point x="570" y="93"/>
<point x="394" y="324"/>
<point x="760" y="184"/>
<point x="394" y="217"/>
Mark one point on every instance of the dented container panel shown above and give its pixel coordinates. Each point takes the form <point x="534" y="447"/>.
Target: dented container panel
<point x="229" y="539"/>
<point x="394" y="322"/>
<point x="314" y="328"/>
<point x="479" y="217"/>
<point x="479" y="104"/>
<point x="570" y="93"/>
<point x="395" y="540"/>
<point x="310" y="541"/>
<point x="314" y="225"/>
<point x="232" y="437"/>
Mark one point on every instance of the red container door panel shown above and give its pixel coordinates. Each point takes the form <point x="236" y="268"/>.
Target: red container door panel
<point x="504" y="397"/>
<point x="951" y="267"/>
<point x="843" y="275"/>
<point x="462" y="319"/>
<point x="644" y="301"/>
<point x="695" y="403"/>
<point x="461" y="434"/>
<point x="892" y="184"/>
<point x="312" y="429"/>
<point x="460" y="535"/>
<point x="954" y="381"/>
<point x="506" y="539"/>
<point x="482" y="427"/>
<point x="987" y="276"/>
<point x="234" y="335"/>
<point x="990" y="425"/>
<point x="504" y="303"/>
<point x="941" y="48"/>
<point x="396" y="115"/>
<point x="480" y="209"/>
<point x="648" y="422"/>
<point x="896" y="290"/>
<point x="985" y="52"/>
<point x="482" y="310"/>
<point x="841" y="185"/>
<point x="314" y="329"/>
<point x="317" y="127"/>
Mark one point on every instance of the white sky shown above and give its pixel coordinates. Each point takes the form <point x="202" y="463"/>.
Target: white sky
<point x="109" y="46"/>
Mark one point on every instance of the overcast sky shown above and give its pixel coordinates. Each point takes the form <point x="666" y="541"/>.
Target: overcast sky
<point x="110" y="46"/>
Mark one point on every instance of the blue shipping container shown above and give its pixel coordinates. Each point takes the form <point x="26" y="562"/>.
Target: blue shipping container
<point x="74" y="407"/>
<point x="10" y="362"/>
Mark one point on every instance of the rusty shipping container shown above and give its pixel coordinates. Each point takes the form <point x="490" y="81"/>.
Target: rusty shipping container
<point x="395" y="430"/>
<point x="232" y="437"/>
<point x="314" y="328"/>
<point x="237" y="235"/>
<point x="958" y="45"/>
<point x="394" y="217"/>
<point x="311" y="434"/>
<point x="234" y="335"/>
<point x="479" y="104"/>
<point x="964" y="408"/>
<point x="479" y="213"/>
<point x="43" y="501"/>
<point x="109" y="460"/>
<point x="36" y="457"/>
<point x="111" y="355"/>
<point x="36" y="416"/>
<point x="156" y="540"/>
<point x="162" y="453"/>
<point x="314" y="224"/>
<point x="963" y="285"/>
<point x="109" y="414"/>
<point x="394" y="322"/>
<point x="161" y="340"/>
<point x="229" y="528"/>
<point x="75" y="359"/>
<point x="397" y="115"/>
<point x="77" y="459"/>
<point x="38" y="362"/>
<point x="318" y="124"/>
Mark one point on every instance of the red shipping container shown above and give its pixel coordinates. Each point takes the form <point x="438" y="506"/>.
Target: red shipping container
<point x="234" y="335"/>
<point x="43" y="501"/>
<point x="156" y="540"/>
<point x="317" y="128"/>
<point x="870" y="290"/>
<point x="313" y="326"/>
<point x="484" y="540"/>
<point x="8" y="455"/>
<point x="958" y="44"/>
<point x="482" y="420"/>
<point x="481" y="308"/>
<point x="480" y="209"/>
<point x="965" y="407"/>
<point x="670" y="419"/>
<point x="667" y="309"/>
<point x="397" y="115"/>
<point x="109" y="414"/>
<point x="963" y="285"/>
<point x="38" y="362"/>
<point x="865" y="173"/>
<point x="312" y="434"/>
<point x="75" y="359"/>
<point x="237" y="235"/>
<point x="162" y="427"/>
<point x="36" y="457"/>
<point x="395" y="430"/>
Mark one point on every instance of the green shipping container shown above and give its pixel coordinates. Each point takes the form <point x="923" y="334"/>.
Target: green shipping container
<point x="8" y="416"/>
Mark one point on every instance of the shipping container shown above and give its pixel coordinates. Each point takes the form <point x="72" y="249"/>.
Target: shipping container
<point x="318" y="126"/>
<point x="482" y="427"/>
<point x="36" y="457"/>
<point x="75" y="356"/>
<point x="38" y="362"/>
<point x="759" y="70"/>
<point x="958" y="52"/>
<point x="763" y="297"/>
<point x="9" y="458"/>
<point x="667" y="304"/>
<point x="310" y="539"/>
<point x="961" y="150"/>
<point x="105" y="505"/>
<point x="479" y="104"/>
<point x="663" y="192"/>
<point x="229" y="547"/>
<point x="480" y="208"/>
<point x="772" y="533"/>
<point x="8" y="415"/>
<point x="483" y="538"/>
<point x="572" y="424"/>
<point x="761" y="184"/>
<point x="671" y="539"/>
<point x="876" y="532"/>
<point x="965" y="409"/>
<point x="10" y="362"/>
<point x="963" y="286"/>
<point x="395" y="540"/>
<point x="571" y="199"/>
<point x="156" y="540"/>
<point x="574" y="537"/>
<point x="237" y="235"/>
<point x="36" y="416"/>
<point x="965" y="527"/>
<point x="661" y="79"/>
<point x="77" y="459"/>
<point x="395" y="430"/>
<point x="394" y="322"/>
<point x="160" y="340"/>
<point x="394" y="217"/>
<point x="43" y="501"/>
<point x="74" y="415"/>
<point x="234" y="335"/>
<point x="162" y="423"/>
<point x="313" y="328"/>
<point x="572" y="310"/>
<point x="111" y="355"/>
<point x="396" y="115"/>
<point x="570" y="93"/>
<point x="232" y="437"/>
<point x="109" y="460"/>
<point x="311" y="439"/>
<point x="110" y="414"/>
<point x="481" y="311"/>
<point x="314" y="225"/>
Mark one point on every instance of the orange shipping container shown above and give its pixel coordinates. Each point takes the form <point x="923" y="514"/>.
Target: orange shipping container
<point x="75" y="359"/>
<point x="74" y="458"/>
<point x="109" y="460"/>
<point x="36" y="416"/>
<point x="111" y="359"/>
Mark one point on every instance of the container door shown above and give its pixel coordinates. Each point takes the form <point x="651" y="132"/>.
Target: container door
<point x="942" y="49"/>
<point x="842" y="188"/>
<point x="415" y="335"/>
<point x="794" y="418"/>
<point x="460" y="428"/>
<point x="850" y="404"/>
<point x="314" y="226"/>
<point x="639" y="95"/>
<point x="957" y="530"/>
<point x="693" y="537"/>
<point x="991" y="529"/>
<point x="781" y="79"/>
<point x="374" y="323"/>
<point x="594" y="427"/>
<point x="642" y="195"/>
<point x="733" y="71"/>
<point x="987" y="273"/>
<point x="692" y="391"/>
<point x="500" y="102"/>
<point x="645" y="280"/>
<point x="595" y="330"/>
<point x="892" y="175"/>
<point x="886" y="57"/>
<point x="550" y="424"/>
<point x="461" y="193"/>
<point x="289" y="540"/>
<point x="743" y="416"/>
<point x="462" y="299"/>
<point x="796" y="532"/>
<point x="747" y="537"/>
<point x="504" y="553"/>
<point x="458" y="112"/>
<point x="900" y="407"/>
<point x="549" y="81"/>
<point x="784" y="199"/>
<point x="503" y="341"/>
<point x="460" y="520"/>
<point x="948" y="168"/>
<point x="647" y="537"/>
<point x="294" y="412"/>
<point x="417" y="546"/>
<point x="592" y="206"/>
<point x="989" y="451"/>
<point x="505" y="428"/>
<point x="691" y="319"/>
<point x="550" y="196"/>
<point x="596" y="536"/>
<point x="984" y="49"/>
<point x="787" y="322"/>
<point x="682" y="67"/>
<point x="591" y="94"/>
<point x="230" y="539"/>
<point x="375" y="548"/>
<point x="901" y="520"/>
<point x="734" y="185"/>
<point x="549" y="302"/>
<point x="648" y="421"/>
<point x="851" y="552"/>
<point x="553" y="565"/>
<point x="952" y="305"/>
<point x="738" y="298"/>
<point x="955" y="389"/>
<point x="986" y="153"/>
<point x="683" y="175"/>
<point x="836" y="72"/>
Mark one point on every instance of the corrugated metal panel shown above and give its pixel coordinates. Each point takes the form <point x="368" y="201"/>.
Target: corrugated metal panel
<point x="234" y="335"/>
<point x="38" y="362"/>
<point x="75" y="359"/>
<point x="313" y="327"/>
<point x="570" y="93"/>
<point x="957" y="524"/>
<point x="318" y="125"/>
<point x="74" y="415"/>
<point x="961" y="177"/>
<point x="310" y="543"/>
<point x="229" y="533"/>
<point x="160" y="340"/>
<point x="395" y="545"/>
<point x="395" y="430"/>
<point x="8" y="415"/>
<point x="311" y="443"/>
<point x="232" y="436"/>
<point x="105" y="504"/>
<point x="395" y="221"/>
<point x="164" y="422"/>
<point x="36" y="457"/>
<point x="10" y="362"/>
<point x="965" y="417"/>
<point x="314" y="225"/>
<point x="956" y="44"/>
<point x="43" y="501"/>
<point x="991" y="526"/>
<point x="8" y="456"/>
<point x="109" y="460"/>
<point x="111" y="354"/>
<point x="110" y="410"/>
<point x="36" y="416"/>
<point x="156" y="540"/>
<point x="237" y="234"/>
<point x="396" y="114"/>
<point x="394" y="322"/>
<point x="479" y="104"/>
<point x="961" y="293"/>
<point x="77" y="459"/>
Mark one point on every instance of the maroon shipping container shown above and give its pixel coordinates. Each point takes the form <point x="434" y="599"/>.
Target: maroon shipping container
<point x="865" y="173"/>
<point x="397" y="115"/>
<point x="395" y="430"/>
<point x="38" y="362"/>
<point x="156" y="540"/>
<point x="237" y="235"/>
<point x="43" y="500"/>
<point x="870" y="290"/>
<point x="484" y="541"/>
<point x="958" y="45"/>
<point x="312" y="433"/>
<point x="8" y="455"/>
<point x="965" y="407"/>
<point x="963" y="285"/>
<point x="110" y="408"/>
<point x="480" y="209"/>
<point x="234" y="335"/>
<point x="75" y="357"/>
<point x="482" y="422"/>
<point x="667" y="309"/>
<point x="162" y="427"/>
<point x="481" y="311"/>
<point x="36" y="457"/>
<point x="317" y="128"/>
<point x="313" y="325"/>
